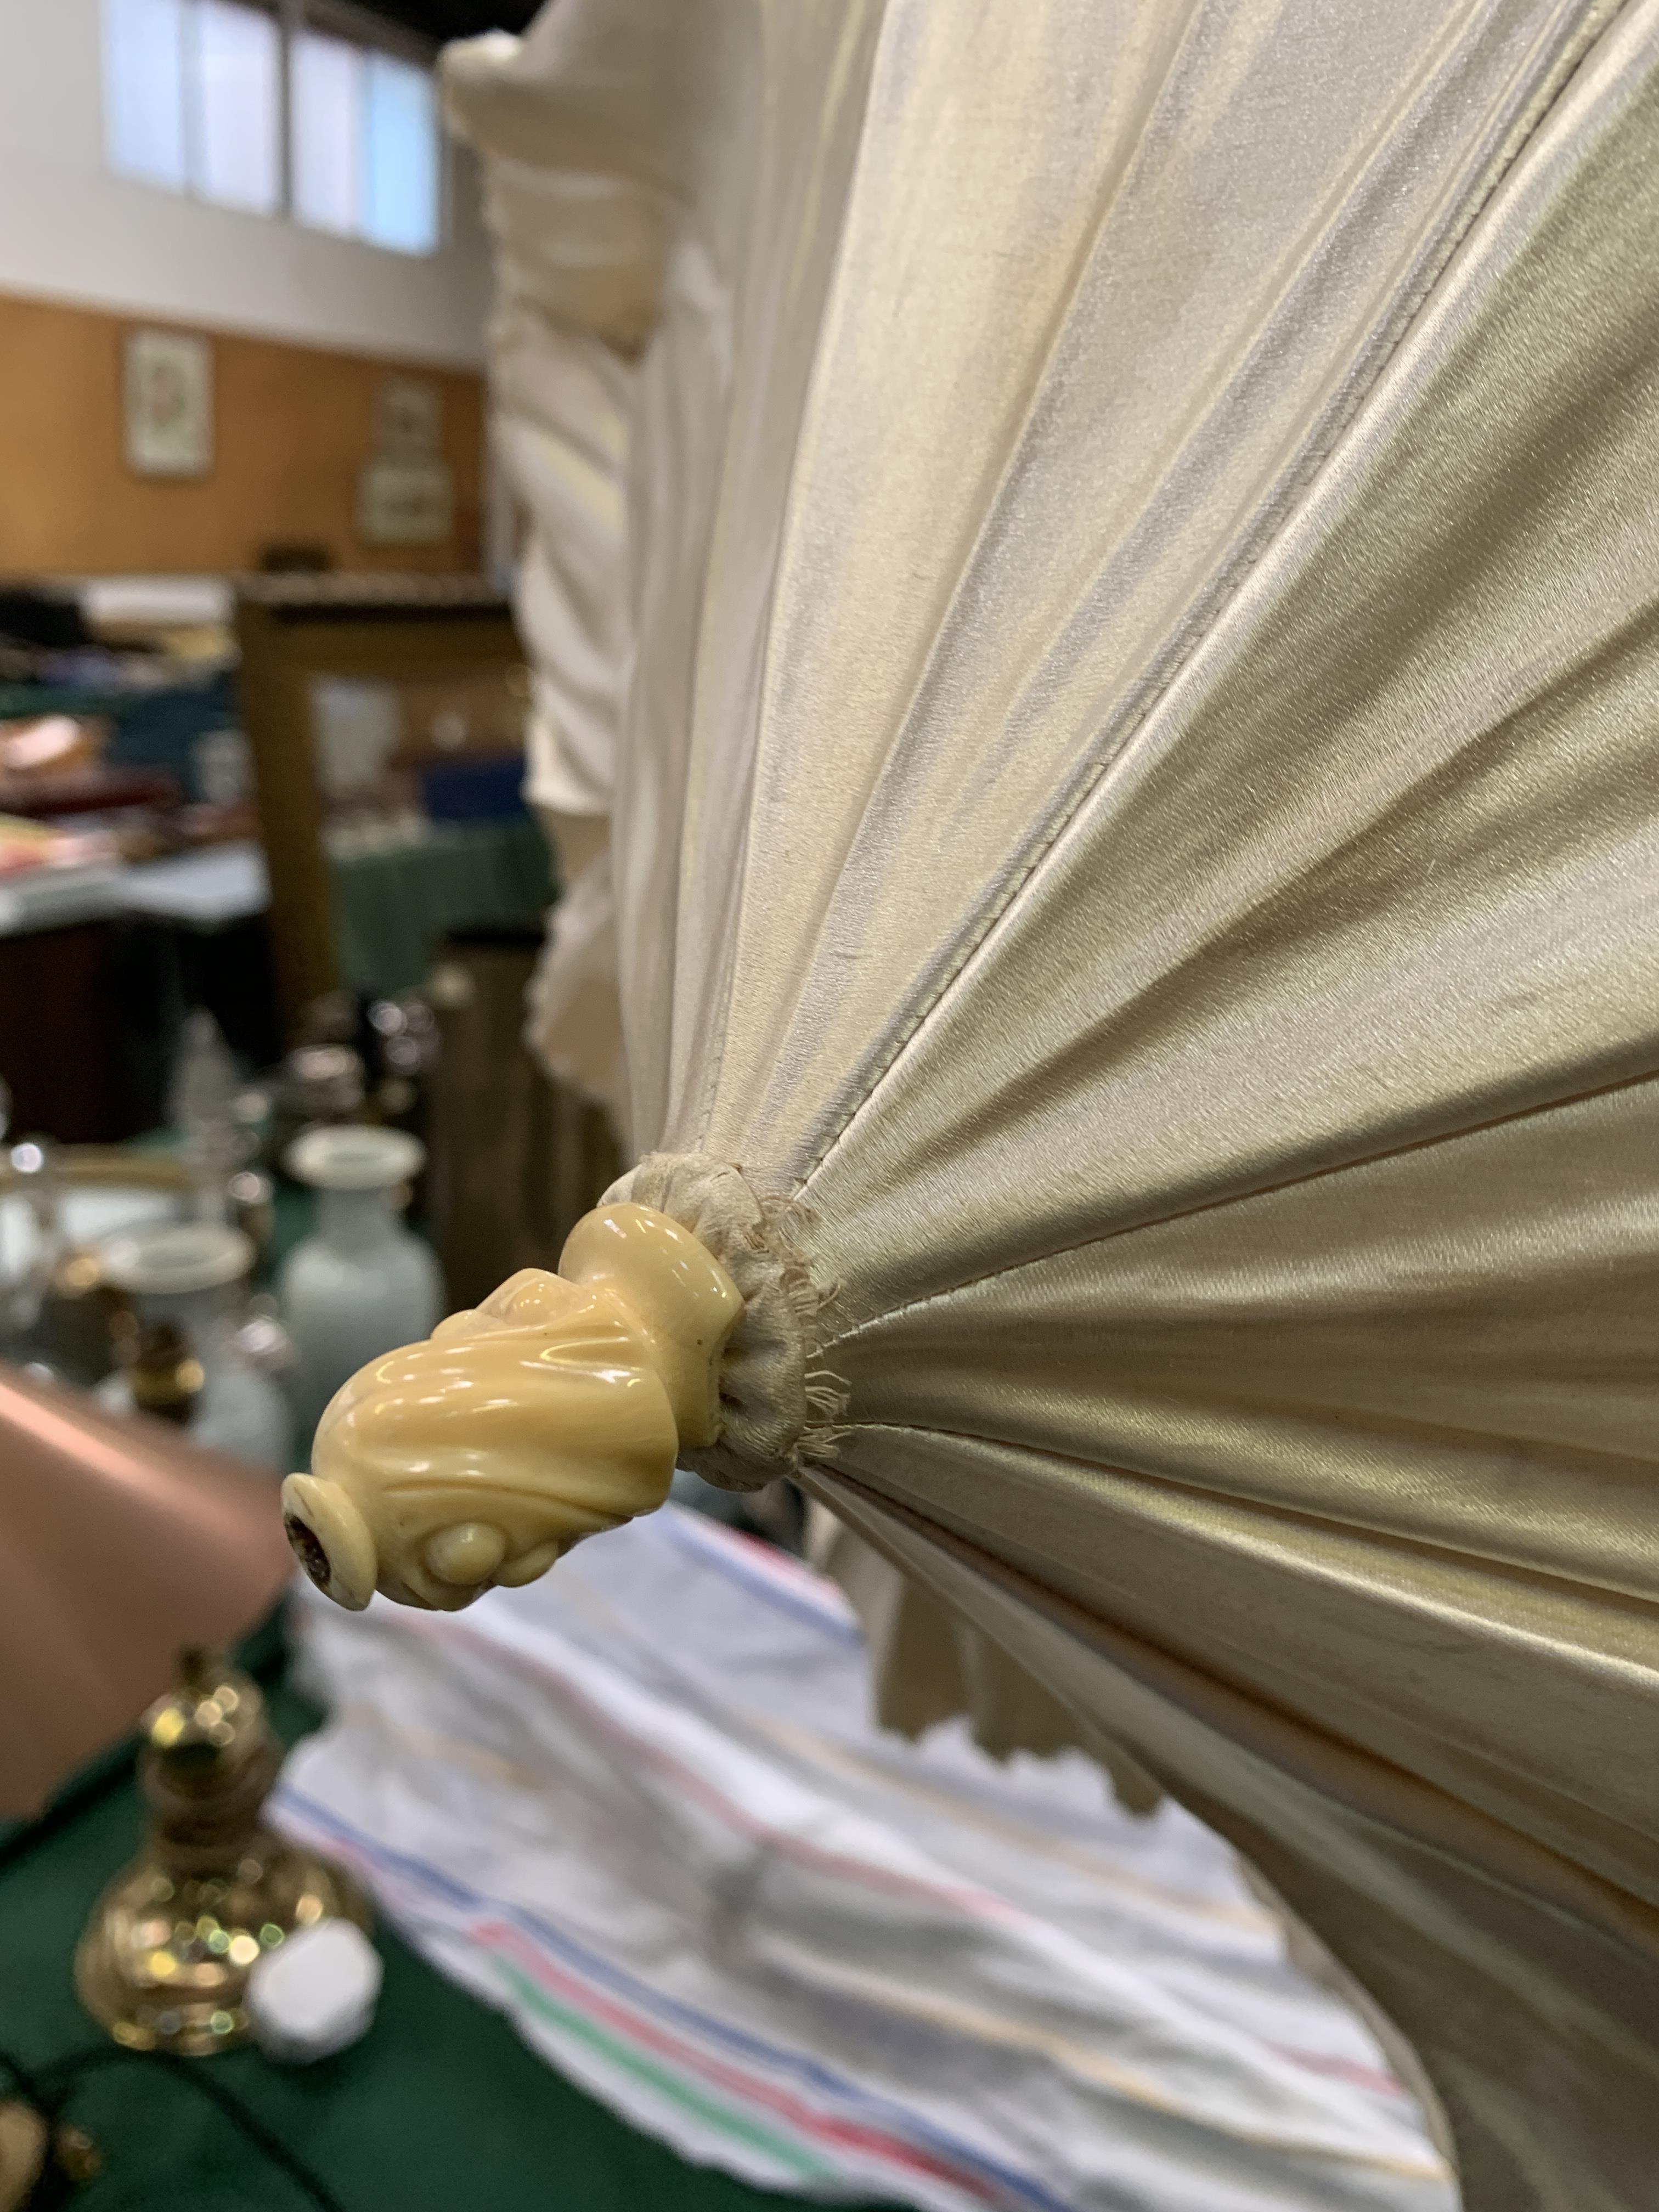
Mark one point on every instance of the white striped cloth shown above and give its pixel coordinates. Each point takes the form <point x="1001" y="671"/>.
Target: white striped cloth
<point x="642" y="1808"/>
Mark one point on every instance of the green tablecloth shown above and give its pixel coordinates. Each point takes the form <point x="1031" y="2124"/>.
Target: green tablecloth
<point x="393" y="908"/>
<point x="440" y="2109"/>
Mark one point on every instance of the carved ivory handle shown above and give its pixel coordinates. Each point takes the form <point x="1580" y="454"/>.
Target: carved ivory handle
<point x="557" y="1409"/>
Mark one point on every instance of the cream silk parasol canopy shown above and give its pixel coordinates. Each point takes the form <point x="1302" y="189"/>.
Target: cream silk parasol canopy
<point x="1132" y="775"/>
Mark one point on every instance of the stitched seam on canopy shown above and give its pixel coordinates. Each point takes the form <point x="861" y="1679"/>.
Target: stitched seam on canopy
<point x="1033" y="398"/>
<point x="1612" y="1595"/>
<point x="1634" y="625"/>
<point x="1445" y="1554"/>
<point x="1245" y="1197"/>
<point x="683" y="207"/>
<point x="708" y="1084"/>
<point x="1557" y="1805"/>
<point x="1459" y="769"/>
<point x="1643" y="1611"/>
<point x="1277" y="519"/>
<point x="1021" y="1589"/>
<point x="671" y="908"/>
<point x="761" y="126"/>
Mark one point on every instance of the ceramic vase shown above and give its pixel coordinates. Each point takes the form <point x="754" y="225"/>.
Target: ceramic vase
<point x="363" y="1284"/>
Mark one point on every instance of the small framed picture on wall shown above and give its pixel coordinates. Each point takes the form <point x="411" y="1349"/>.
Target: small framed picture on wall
<point x="408" y="416"/>
<point x="169" y="404"/>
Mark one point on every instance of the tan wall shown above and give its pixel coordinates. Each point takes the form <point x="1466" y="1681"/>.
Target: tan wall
<point x="293" y="427"/>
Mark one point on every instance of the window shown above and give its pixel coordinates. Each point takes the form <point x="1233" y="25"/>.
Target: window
<point x="328" y="131"/>
<point x="195" y="102"/>
<point x="400" y="166"/>
<point x="365" y="144"/>
<point x="145" y="82"/>
<point x="235" y="136"/>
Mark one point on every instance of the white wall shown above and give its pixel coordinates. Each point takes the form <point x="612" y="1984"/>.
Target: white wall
<point x="70" y="231"/>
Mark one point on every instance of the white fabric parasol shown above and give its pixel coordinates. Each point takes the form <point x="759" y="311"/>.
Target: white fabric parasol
<point x="1134" y="830"/>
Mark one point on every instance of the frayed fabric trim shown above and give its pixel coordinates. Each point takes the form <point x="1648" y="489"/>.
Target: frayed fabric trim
<point x="781" y="1405"/>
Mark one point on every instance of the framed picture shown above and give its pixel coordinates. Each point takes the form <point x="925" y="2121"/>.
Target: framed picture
<point x="169" y="404"/>
<point x="405" y="501"/>
<point x="410" y="417"/>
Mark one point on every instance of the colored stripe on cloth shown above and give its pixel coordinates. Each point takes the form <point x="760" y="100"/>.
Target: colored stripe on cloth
<point x="524" y="1943"/>
<point x="643" y="1809"/>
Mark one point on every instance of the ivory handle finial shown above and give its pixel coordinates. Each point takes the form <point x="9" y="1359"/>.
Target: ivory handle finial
<point x="555" y="1409"/>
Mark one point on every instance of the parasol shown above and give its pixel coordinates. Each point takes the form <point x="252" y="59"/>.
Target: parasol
<point x="1133" y="842"/>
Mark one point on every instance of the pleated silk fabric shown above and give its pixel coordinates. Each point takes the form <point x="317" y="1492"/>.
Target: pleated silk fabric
<point x="1136" y="811"/>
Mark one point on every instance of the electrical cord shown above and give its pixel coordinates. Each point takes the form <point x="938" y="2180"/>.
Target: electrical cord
<point x="49" y="2088"/>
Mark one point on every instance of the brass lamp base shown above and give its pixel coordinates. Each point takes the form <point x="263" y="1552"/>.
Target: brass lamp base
<point x="164" y="1962"/>
<point x="41" y="2163"/>
<point x="24" y="2140"/>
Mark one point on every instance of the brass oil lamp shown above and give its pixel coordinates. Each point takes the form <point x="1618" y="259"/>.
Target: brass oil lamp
<point x="165" y="1959"/>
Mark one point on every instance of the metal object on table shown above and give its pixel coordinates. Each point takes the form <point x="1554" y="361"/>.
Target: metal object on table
<point x="404" y="1033"/>
<point x="89" y="1189"/>
<point x="41" y="2163"/>
<point x="25" y="2140"/>
<point x="322" y="1083"/>
<point x="32" y="1176"/>
<point x="165" y="1959"/>
<point x="251" y="1207"/>
<point x="318" y="1083"/>
<point x="87" y="1167"/>
<point x="165" y="1376"/>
